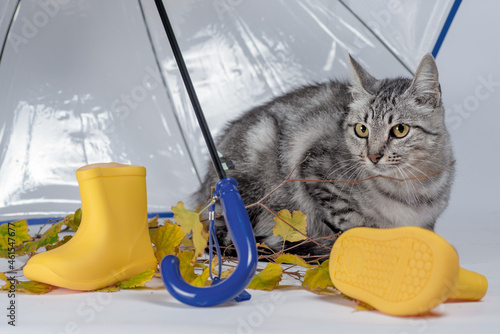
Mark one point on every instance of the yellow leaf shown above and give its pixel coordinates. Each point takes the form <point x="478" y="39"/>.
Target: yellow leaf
<point x="49" y="237"/>
<point x="226" y="273"/>
<point x="153" y="225"/>
<point x="31" y="287"/>
<point x="59" y="243"/>
<point x="287" y="231"/>
<point x="112" y="288"/>
<point x="186" y="242"/>
<point x="268" y="278"/>
<point x="292" y="259"/>
<point x="201" y="280"/>
<point x="186" y="266"/>
<point x="190" y="223"/>
<point x="318" y="278"/>
<point x="77" y="219"/>
<point x="73" y="220"/>
<point x="153" y="222"/>
<point x="3" y="277"/>
<point x="364" y="307"/>
<point x="14" y="234"/>
<point x="166" y="239"/>
<point x="137" y="281"/>
<point x="215" y="262"/>
<point x="263" y="245"/>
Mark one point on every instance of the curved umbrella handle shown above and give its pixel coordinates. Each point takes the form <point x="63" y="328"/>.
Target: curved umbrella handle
<point x="241" y="232"/>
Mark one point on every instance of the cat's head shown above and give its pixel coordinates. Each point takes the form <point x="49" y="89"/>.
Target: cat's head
<point x="396" y="126"/>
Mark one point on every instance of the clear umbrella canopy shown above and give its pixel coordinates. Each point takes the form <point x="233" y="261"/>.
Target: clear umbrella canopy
<point x="86" y="81"/>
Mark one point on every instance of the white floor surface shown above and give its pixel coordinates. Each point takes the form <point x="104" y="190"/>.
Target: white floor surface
<point x="286" y="310"/>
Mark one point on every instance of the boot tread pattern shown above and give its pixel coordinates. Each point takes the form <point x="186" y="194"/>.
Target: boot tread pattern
<point x="394" y="270"/>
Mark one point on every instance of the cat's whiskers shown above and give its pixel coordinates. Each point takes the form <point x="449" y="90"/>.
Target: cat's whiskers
<point x="412" y="199"/>
<point x="425" y="207"/>
<point x="359" y="175"/>
<point x="439" y="163"/>
<point x="418" y="170"/>
<point x="353" y="175"/>
<point x="328" y="173"/>
<point x="406" y="169"/>
<point x="339" y="178"/>
<point x="344" y="171"/>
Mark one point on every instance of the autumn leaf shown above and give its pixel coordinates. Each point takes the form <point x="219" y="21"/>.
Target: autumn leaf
<point x="263" y="245"/>
<point x="364" y="307"/>
<point x="152" y="226"/>
<point x="73" y="220"/>
<point x="215" y="264"/>
<point x="201" y="280"/>
<point x="226" y="273"/>
<point x="77" y="219"/>
<point x="186" y="242"/>
<point x="14" y="234"/>
<point x="190" y="223"/>
<point x="34" y="288"/>
<point x="268" y="278"/>
<point x="318" y="279"/>
<point x="3" y="277"/>
<point x="186" y="267"/>
<point x="59" y="243"/>
<point x="167" y="239"/>
<point x="286" y="231"/>
<point x="112" y="288"/>
<point x="48" y="237"/>
<point x="153" y="222"/>
<point x="31" y="287"/>
<point x="292" y="259"/>
<point x="137" y="281"/>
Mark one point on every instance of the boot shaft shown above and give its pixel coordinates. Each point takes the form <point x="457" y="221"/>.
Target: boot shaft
<point x="114" y="192"/>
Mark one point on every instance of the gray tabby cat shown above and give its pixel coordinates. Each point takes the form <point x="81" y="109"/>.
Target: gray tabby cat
<point x="349" y="131"/>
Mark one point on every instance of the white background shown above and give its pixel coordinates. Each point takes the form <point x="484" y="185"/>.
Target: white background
<point x="468" y="57"/>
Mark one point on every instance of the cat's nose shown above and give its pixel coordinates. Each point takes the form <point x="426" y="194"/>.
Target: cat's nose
<point x="375" y="157"/>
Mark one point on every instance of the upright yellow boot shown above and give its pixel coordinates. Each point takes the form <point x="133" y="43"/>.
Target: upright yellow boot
<point x="112" y="243"/>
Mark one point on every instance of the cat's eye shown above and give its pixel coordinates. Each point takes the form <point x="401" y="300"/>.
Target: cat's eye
<point x="361" y="130"/>
<point x="400" y="130"/>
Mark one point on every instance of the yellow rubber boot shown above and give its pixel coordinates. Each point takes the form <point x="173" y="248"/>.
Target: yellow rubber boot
<point x="400" y="271"/>
<point x="112" y="243"/>
<point x="470" y="286"/>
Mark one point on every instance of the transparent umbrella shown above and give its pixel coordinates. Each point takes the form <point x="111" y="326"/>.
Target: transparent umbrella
<point x="94" y="81"/>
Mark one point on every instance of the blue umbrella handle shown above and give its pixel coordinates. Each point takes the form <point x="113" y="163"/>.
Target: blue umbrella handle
<point x="241" y="232"/>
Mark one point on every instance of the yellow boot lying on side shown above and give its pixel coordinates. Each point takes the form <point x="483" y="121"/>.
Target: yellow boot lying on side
<point x="401" y="271"/>
<point x="112" y="243"/>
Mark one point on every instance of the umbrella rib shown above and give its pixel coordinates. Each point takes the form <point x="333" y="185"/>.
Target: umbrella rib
<point x="190" y="155"/>
<point x="377" y="37"/>
<point x="221" y="173"/>
<point x="8" y="29"/>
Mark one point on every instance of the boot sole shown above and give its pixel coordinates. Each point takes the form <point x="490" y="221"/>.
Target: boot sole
<point x="400" y="271"/>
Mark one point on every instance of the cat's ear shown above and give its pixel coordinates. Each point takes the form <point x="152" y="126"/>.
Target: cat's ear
<point x="425" y="86"/>
<point x="362" y="83"/>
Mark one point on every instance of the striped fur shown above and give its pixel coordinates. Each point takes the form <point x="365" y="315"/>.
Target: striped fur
<point x="267" y="142"/>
